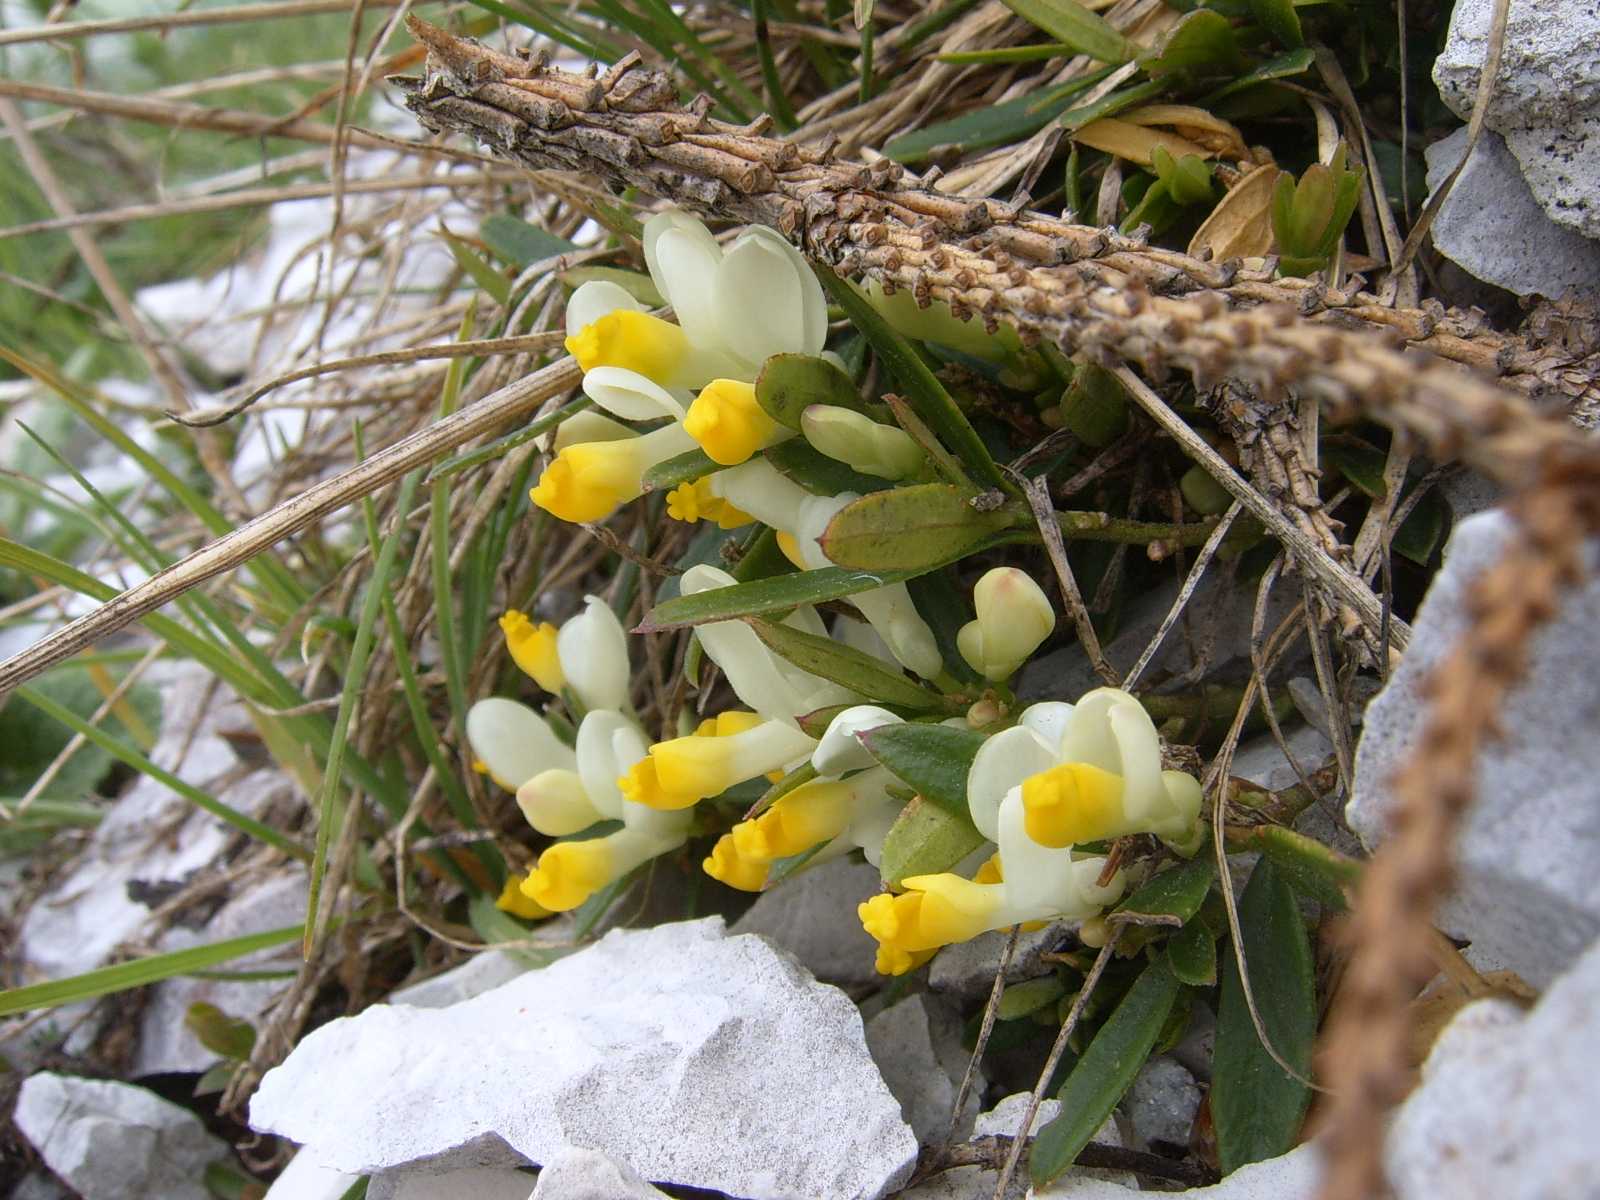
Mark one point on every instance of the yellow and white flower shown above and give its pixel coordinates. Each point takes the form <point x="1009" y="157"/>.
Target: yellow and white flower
<point x="835" y="811"/>
<point x="758" y="488"/>
<point x="1014" y="619"/>
<point x="1085" y="773"/>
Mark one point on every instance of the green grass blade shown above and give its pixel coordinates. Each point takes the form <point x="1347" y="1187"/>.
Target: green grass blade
<point x="355" y="673"/>
<point x="119" y="978"/>
<point x="777" y="100"/>
<point x="125" y="753"/>
<point x="500" y="446"/>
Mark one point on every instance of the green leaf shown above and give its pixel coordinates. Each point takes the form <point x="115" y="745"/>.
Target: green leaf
<point x="1192" y="955"/>
<point x="779" y="593"/>
<point x="225" y="1036"/>
<point x="816" y="472"/>
<point x="1106" y="106"/>
<point x="933" y="759"/>
<point x="910" y="528"/>
<point x="1280" y="20"/>
<point x="928" y="397"/>
<point x="1172" y="897"/>
<point x="30" y="740"/>
<point x="1256" y="1107"/>
<point x="1310" y="868"/>
<point x="1420" y="533"/>
<point x="1202" y="42"/>
<point x="1072" y="23"/>
<point x="1295" y="62"/>
<point x="790" y="383"/>
<point x="140" y="971"/>
<point x="520" y="243"/>
<point x="995" y="125"/>
<point x="478" y="270"/>
<point x="680" y="468"/>
<point x="1030" y="996"/>
<point x="926" y="840"/>
<point x="499" y="928"/>
<point x="845" y="665"/>
<point x="637" y="284"/>
<point x="1105" y="1071"/>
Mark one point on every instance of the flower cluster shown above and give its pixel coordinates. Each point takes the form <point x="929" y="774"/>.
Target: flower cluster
<point x="1048" y="787"/>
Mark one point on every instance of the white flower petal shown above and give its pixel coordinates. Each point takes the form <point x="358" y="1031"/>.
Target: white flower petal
<point x="1048" y="719"/>
<point x="513" y="741"/>
<point x="608" y="744"/>
<point x="840" y="750"/>
<point x="760" y="309"/>
<point x="595" y="299"/>
<point x="556" y="804"/>
<point x="753" y="672"/>
<point x="589" y="426"/>
<point x="594" y="656"/>
<point x="1001" y="764"/>
<point x="630" y="395"/>
<point x="685" y="270"/>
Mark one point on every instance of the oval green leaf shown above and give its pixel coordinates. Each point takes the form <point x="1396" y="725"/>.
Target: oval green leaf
<point x="790" y="383"/>
<point x="679" y="469"/>
<point x="1256" y="1106"/>
<point x="1306" y="865"/>
<point x="1172" y="897"/>
<point x="910" y="528"/>
<point x="1070" y="22"/>
<point x="774" y="594"/>
<point x="933" y="759"/>
<point x="926" y="840"/>
<point x="1192" y="955"/>
<point x="817" y="473"/>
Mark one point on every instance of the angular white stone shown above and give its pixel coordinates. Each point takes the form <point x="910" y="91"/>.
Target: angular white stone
<point x="1293" y="1176"/>
<point x="114" y="1141"/>
<point x="917" y="1045"/>
<point x="590" y="1175"/>
<point x="1528" y="884"/>
<point x="813" y="917"/>
<point x="700" y="1059"/>
<point x="1492" y="227"/>
<point x="470" y="1183"/>
<point x="1546" y="101"/>
<point x="307" y="1179"/>
<point x="1507" y="1102"/>
<point x="472" y="978"/>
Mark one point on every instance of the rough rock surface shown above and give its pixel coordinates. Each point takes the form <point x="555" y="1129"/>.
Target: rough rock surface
<point x="813" y="917"/>
<point x="1546" y="100"/>
<point x="472" y="978"/>
<point x="165" y="1042"/>
<point x="677" y="1049"/>
<point x="1507" y="1102"/>
<point x="114" y="1141"/>
<point x="307" y="1179"/>
<point x="1161" y="1105"/>
<point x="1492" y="227"/>
<point x="470" y="1183"/>
<point x="1528" y="887"/>
<point x="590" y="1175"/>
<point x="917" y="1045"/>
<point x="966" y="969"/>
<point x="1294" y="1176"/>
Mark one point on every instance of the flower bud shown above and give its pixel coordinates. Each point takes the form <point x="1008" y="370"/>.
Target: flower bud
<point x="860" y="442"/>
<point x="1014" y="617"/>
<point x="594" y="655"/>
<point x="840" y="749"/>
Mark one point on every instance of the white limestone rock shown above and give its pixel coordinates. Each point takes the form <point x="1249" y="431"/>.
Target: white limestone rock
<point x="479" y="974"/>
<point x="166" y="1044"/>
<point x="813" y="917"/>
<point x="1491" y="226"/>
<point x="1161" y="1105"/>
<point x="701" y="1059"/>
<point x="590" y="1175"/>
<point x="966" y="969"/>
<point x="470" y="1183"/>
<point x="114" y="1141"/>
<point x="1507" y="1102"/>
<point x="1528" y="886"/>
<point x="1546" y="101"/>
<point x="917" y="1045"/>
<point x="1293" y="1176"/>
<point x="307" y="1179"/>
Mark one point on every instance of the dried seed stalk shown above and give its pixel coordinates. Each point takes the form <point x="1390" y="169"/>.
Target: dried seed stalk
<point x="1390" y="932"/>
<point x="1086" y="289"/>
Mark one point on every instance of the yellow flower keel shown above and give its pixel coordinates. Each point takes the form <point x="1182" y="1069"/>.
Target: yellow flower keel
<point x="569" y="873"/>
<point x="533" y="649"/>
<point x="1073" y="803"/>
